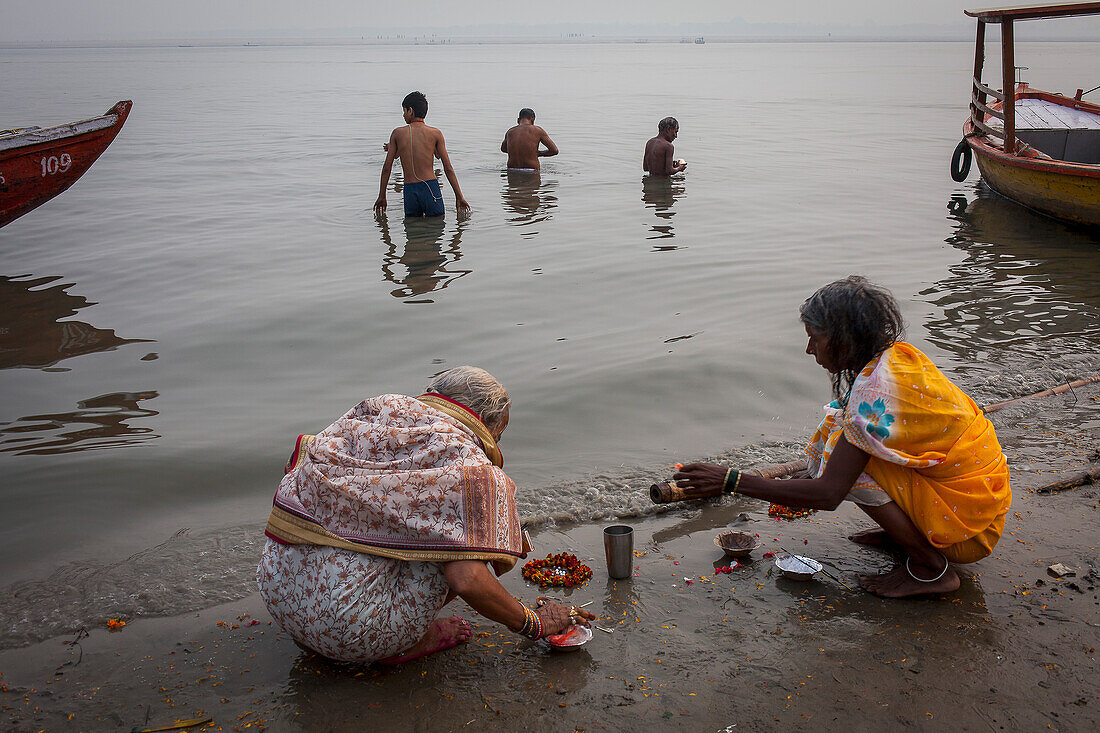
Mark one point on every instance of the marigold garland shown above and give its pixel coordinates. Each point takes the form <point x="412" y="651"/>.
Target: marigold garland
<point x="785" y="512"/>
<point x="543" y="571"/>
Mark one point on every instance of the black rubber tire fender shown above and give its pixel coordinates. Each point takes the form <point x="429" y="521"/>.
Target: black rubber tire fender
<point x="960" y="162"/>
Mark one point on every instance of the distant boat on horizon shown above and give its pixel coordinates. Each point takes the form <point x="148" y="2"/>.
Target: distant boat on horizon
<point x="700" y="40"/>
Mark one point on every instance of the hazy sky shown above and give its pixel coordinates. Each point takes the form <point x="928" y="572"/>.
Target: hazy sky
<point x="29" y="21"/>
<point x="54" y="20"/>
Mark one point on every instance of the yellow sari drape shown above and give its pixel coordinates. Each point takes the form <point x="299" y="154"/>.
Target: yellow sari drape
<point x="932" y="451"/>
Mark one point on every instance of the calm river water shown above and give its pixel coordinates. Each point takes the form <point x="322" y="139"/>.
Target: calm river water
<point x="217" y="283"/>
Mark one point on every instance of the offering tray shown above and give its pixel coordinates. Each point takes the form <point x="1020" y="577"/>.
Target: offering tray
<point x="571" y="639"/>
<point x="797" y="567"/>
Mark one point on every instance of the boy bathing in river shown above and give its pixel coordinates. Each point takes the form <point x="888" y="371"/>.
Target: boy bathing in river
<point x="418" y="146"/>
<point x="658" y="160"/>
<point x="521" y="143"/>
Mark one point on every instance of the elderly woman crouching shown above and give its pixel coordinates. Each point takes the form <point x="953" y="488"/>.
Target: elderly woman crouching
<point x="899" y="439"/>
<point x="388" y="514"/>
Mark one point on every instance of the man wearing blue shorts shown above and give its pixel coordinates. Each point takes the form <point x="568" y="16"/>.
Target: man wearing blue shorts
<point x="418" y="145"/>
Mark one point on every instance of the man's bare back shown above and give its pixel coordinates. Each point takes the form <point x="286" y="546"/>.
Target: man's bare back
<point x="521" y="143"/>
<point x="418" y="145"/>
<point x="658" y="160"/>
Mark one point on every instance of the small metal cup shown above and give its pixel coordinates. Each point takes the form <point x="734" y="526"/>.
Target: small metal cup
<point x="618" y="545"/>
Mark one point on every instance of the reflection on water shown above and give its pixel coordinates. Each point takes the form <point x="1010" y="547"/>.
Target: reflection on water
<point x="660" y="194"/>
<point x="530" y="198"/>
<point x="424" y="264"/>
<point x="1027" y="284"/>
<point x="52" y="434"/>
<point x="32" y="334"/>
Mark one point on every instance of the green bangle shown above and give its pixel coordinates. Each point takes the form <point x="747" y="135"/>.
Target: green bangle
<point x="732" y="481"/>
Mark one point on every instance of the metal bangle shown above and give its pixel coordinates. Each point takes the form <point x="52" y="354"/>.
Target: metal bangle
<point x="726" y="488"/>
<point x="946" y="564"/>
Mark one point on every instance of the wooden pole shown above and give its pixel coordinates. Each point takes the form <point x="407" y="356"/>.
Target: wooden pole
<point x="1081" y="478"/>
<point x="979" y="63"/>
<point x="1045" y="393"/>
<point x="1008" y="80"/>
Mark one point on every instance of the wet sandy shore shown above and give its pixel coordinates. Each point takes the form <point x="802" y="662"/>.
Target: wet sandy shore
<point x="1014" y="648"/>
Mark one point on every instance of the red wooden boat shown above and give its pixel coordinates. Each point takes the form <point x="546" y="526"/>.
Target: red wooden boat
<point x="36" y="164"/>
<point x="1037" y="148"/>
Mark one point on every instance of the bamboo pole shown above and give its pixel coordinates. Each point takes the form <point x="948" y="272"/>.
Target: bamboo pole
<point x="1072" y="481"/>
<point x="1045" y="393"/>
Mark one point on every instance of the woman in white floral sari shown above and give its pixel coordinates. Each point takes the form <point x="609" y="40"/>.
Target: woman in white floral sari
<point x="388" y="514"/>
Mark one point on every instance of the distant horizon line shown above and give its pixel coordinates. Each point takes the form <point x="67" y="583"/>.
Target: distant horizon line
<point x="436" y="40"/>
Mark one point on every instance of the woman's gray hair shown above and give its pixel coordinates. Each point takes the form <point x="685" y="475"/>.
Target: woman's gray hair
<point x="475" y="388"/>
<point x="859" y="321"/>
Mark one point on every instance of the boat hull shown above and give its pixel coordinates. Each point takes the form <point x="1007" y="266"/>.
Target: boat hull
<point x="1062" y="189"/>
<point x="32" y="174"/>
<point x="1059" y="193"/>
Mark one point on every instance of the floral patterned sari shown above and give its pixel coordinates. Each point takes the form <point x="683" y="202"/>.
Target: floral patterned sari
<point x="931" y="450"/>
<point x="410" y="479"/>
<point x="368" y="513"/>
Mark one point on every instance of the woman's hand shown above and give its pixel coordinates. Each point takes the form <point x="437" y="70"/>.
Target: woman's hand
<point x="556" y="617"/>
<point x="703" y="476"/>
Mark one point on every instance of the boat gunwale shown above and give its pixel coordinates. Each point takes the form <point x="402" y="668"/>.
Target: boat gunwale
<point x="12" y="145"/>
<point x="981" y="146"/>
<point x="979" y="143"/>
<point x="1034" y="12"/>
<point x="22" y="194"/>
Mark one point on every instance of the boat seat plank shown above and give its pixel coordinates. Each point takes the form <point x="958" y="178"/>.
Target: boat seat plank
<point x="1039" y="114"/>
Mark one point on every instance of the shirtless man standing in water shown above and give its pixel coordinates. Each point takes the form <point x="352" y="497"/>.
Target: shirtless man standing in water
<point x="521" y="143"/>
<point x="418" y="146"/>
<point x="658" y="160"/>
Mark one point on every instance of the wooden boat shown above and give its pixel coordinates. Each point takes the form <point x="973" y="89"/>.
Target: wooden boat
<point x="1040" y="149"/>
<point x="36" y="164"/>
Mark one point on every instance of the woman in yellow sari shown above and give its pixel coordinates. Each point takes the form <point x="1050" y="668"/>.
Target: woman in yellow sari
<point x="900" y="440"/>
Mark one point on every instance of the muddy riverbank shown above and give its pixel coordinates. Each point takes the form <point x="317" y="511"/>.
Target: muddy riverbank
<point x="1014" y="648"/>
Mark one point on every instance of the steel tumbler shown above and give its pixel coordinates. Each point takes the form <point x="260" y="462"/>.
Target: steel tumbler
<point x="618" y="545"/>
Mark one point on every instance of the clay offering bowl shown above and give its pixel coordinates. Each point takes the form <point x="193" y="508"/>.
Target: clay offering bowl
<point x="736" y="544"/>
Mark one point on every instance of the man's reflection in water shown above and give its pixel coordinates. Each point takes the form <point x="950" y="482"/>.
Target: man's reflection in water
<point x="108" y="417"/>
<point x="1028" y="285"/>
<point x="660" y="193"/>
<point x="527" y="196"/>
<point x="425" y="264"/>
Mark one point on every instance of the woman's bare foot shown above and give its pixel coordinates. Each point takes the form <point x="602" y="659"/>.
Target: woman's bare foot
<point x="898" y="583"/>
<point x="444" y="633"/>
<point x="875" y="538"/>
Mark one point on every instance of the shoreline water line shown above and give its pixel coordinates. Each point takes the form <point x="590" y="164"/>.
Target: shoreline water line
<point x="192" y="571"/>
